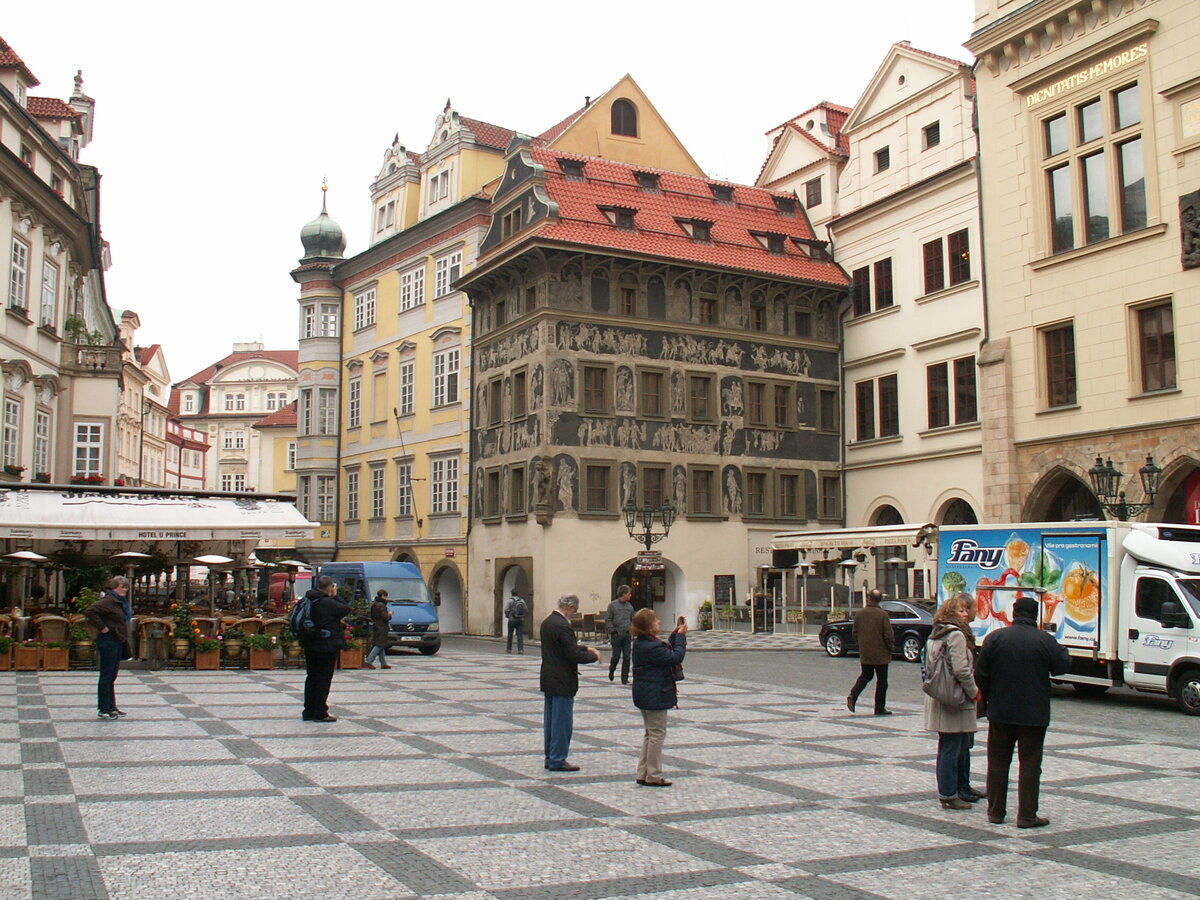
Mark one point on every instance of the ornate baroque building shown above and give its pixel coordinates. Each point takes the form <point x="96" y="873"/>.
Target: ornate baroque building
<point x="1089" y="122"/>
<point x="642" y="335"/>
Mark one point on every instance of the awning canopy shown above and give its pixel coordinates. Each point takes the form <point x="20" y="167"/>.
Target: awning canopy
<point x="852" y="538"/>
<point x="67" y="515"/>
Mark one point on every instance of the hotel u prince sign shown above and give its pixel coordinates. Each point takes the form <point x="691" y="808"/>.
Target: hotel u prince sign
<point x="1088" y="73"/>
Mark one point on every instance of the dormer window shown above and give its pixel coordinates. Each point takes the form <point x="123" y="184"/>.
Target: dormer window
<point x="785" y="206"/>
<point x="698" y="230"/>
<point x="572" y="169"/>
<point x="624" y="118"/>
<point x="769" y="240"/>
<point x="883" y="159"/>
<point x="647" y="181"/>
<point x="21" y="93"/>
<point x="722" y="193"/>
<point x="620" y="216"/>
<point x="813" y="249"/>
<point x="510" y="223"/>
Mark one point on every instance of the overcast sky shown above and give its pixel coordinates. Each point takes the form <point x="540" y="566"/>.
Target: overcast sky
<point x="216" y="122"/>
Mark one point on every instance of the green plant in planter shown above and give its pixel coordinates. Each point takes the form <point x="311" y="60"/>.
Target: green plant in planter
<point x="85" y="598"/>
<point x="185" y="626"/>
<point x="726" y="613"/>
<point x="6" y="643"/>
<point x="78" y="634"/>
<point x="207" y="645"/>
<point x="58" y="645"/>
<point x="259" y="641"/>
<point x="233" y="633"/>
<point x="287" y="636"/>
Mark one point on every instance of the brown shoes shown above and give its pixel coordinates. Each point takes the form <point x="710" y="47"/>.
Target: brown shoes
<point x="663" y="783"/>
<point x="955" y="803"/>
<point x="1035" y="822"/>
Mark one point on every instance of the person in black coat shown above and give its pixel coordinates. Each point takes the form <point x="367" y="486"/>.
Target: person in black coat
<point x="654" y="691"/>
<point x="562" y="654"/>
<point x="321" y="650"/>
<point x="110" y="616"/>
<point x="1013" y="672"/>
<point x="381" y="628"/>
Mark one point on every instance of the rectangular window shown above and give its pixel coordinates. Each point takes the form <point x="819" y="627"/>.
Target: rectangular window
<point x="303" y="483"/>
<point x="291" y="455"/>
<point x="831" y="497"/>
<point x="407" y="376"/>
<point x="41" y="442"/>
<point x="883" y="283"/>
<point x="377" y="474"/>
<point x="756" y="493"/>
<point x="700" y="398"/>
<point x="364" y="309"/>
<point x="49" y="313"/>
<point x="234" y="440"/>
<point x="1095" y="197"/>
<point x="352" y="495"/>
<point x="329" y="320"/>
<point x="404" y="497"/>
<point x="889" y="406"/>
<point x="654" y="484"/>
<point x="958" y="249"/>
<point x="1132" y="185"/>
<point x="598" y="488"/>
<point x="354" y="404"/>
<point x="812" y="193"/>
<point x="1156" y="343"/>
<point x="1059" y="349"/>
<point x="233" y="482"/>
<point x="702" y="499"/>
<point x="628" y="301"/>
<point x="651" y="395"/>
<point x="12" y="432"/>
<point x="520" y="394"/>
<point x="444" y="485"/>
<point x="758" y="317"/>
<point x="1062" y="210"/>
<point x="412" y="288"/>
<point x="326" y="411"/>
<point x="308" y="320"/>
<point x="931" y="135"/>
<point x="495" y="410"/>
<point x="18" y="282"/>
<point x="305" y="411"/>
<point x="491" y="494"/>
<point x="935" y="270"/>
<point x="864" y="410"/>
<point x="788" y="492"/>
<point x="827" y="410"/>
<point x="326" y="494"/>
<point x="937" y="385"/>
<point x="966" y="407"/>
<point x="756" y="403"/>
<point x="516" y="491"/>
<point x="783" y="406"/>
<point x="706" y="309"/>
<point x="89" y="449"/>
<point x="445" y="377"/>
<point x="596" y="392"/>
<point x="446" y="270"/>
<point x="883" y="159"/>
<point x="860" y="290"/>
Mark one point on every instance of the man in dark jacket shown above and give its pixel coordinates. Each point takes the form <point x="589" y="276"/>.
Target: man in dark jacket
<point x="617" y="620"/>
<point x="109" y="616"/>
<point x="1013" y="673"/>
<point x="561" y="656"/>
<point x="321" y="650"/>
<point x="876" y="643"/>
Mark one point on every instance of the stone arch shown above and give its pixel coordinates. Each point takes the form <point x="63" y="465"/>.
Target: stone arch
<point x="1061" y="495"/>
<point x="513" y="574"/>
<point x="955" y="511"/>
<point x="1170" y="504"/>
<point x="446" y="588"/>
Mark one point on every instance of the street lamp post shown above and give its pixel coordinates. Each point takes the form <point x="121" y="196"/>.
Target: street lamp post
<point x="645" y="517"/>
<point x="1106" y="483"/>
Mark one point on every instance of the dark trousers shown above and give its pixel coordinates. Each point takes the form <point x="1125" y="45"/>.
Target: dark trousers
<point x="558" y="719"/>
<point x="1029" y="741"/>
<point x="108" y="649"/>
<point x="319" y="667"/>
<point x="879" y="673"/>
<point x="517" y="627"/>
<point x="621" y="642"/>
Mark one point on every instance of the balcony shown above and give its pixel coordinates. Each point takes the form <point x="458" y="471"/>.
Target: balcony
<point x="88" y="359"/>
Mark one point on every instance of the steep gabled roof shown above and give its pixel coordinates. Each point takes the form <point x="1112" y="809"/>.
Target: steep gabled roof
<point x="546" y="138"/>
<point x="835" y="117"/>
<point x="10" y="60"/>
<point x="657" y="232"/>
<point x="290" y="358"/>
<point x="487" y="134"/>
<point x="146" y="354"/>
<point x="50" y="108"/>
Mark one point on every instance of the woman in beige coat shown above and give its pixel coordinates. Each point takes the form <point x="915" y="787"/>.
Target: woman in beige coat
<point x="952" y="723"/>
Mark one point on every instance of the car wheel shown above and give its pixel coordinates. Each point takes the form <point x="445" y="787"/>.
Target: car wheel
<point x="429" y="651"/>
<point x="910" y="648"/>
<point x="834" y="645"/>
<point x="1187" y="692"/>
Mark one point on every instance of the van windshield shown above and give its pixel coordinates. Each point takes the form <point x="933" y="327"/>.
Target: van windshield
<point x="1191" y="592"/>
<point x="407" y="591"/>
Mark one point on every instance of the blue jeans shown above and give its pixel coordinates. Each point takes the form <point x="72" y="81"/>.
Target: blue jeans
<point x="378" y="654"/>
<point x="558" y="714"/>
<point x="108" y="649"/>
<point x="964" y="763"/>
<point x="949" y="749"/>
<point x="517" y="627"/>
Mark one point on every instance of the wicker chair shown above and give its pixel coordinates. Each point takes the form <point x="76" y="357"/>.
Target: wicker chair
<point x="250" y="626"/>
<point x="273" y="627"/>
<point x="50" y="628"/>
<point x="6" y="624"/>
<point x="207" y="625"/>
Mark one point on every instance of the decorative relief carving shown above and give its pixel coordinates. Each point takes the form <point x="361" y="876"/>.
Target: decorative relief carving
<point x="733" y="491"/>
<point x="1189" y="229"/>
<point x="679" y="490"/>
<point x="535" y="388"/>
<point x="566" y="483"/>
<point x="562" y="383"/>
<point x="624" y="389"/>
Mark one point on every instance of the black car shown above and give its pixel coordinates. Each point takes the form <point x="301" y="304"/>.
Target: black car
<point x="911" y="623"/>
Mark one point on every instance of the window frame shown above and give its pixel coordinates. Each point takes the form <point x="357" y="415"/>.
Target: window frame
<point x="353" y="486"/>
<point x="1168" y="361"/>
<point x="664" y="493"/>
<point x="20" y="258"/>
<point x="412" y="287"/>
<point x="404" y="491"/>
<point x="406" y="403"/>
<point x="447" y="385"/>
<point x="445" y="476"/>
<point x="1055" y="362"/>
<point x="447" y="268"/>
<point x="696" y="472"/>
<point x="354" y="403"/>
<point x="364" y="308"/>
<point x="609" y="505"/>
<point x="663" y="412"/>
<point x="605" y="372"/>
<point x="92" y="446"/>
<point x="711" y="412"/>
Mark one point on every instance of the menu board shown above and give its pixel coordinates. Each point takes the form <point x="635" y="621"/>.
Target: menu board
<point x="724" y="592"/>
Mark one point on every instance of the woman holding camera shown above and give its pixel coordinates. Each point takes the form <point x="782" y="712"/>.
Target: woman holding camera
<point x="654" y="676"/>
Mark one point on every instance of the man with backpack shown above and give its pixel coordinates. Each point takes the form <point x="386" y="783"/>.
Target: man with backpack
<point x="319" y="629"/>
<point x="515" y="611"/>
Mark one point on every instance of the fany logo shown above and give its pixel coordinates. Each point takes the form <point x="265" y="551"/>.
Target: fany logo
<point x="967" y="552"/>
<point x="1153" y="640"/>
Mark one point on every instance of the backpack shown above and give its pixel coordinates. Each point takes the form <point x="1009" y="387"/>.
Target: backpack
<point x="301" y="620"/>
<point x="518" y="609"/>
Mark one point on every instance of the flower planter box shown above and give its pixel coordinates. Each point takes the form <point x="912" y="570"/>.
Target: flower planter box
<point x="6" y="660"/>
<point x="260" y="659"/>
<point x="56" y="659"/>
<point x="350" y="659"/>
<point x="208" y="660"/>
<point x="25" y="659"/>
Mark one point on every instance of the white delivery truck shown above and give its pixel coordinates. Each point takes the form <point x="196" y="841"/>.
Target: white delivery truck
<point x="1123" y="597"/>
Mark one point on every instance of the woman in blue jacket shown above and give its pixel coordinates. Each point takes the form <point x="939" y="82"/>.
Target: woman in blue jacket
<point x="654" y="688"/>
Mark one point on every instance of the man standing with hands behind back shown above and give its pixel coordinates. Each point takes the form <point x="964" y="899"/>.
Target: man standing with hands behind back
<point x="561" y="656"/>
<point x="876" y="643"/>
<point x="617" y="620"/>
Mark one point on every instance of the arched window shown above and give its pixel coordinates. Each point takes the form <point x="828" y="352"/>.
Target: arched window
<point x="624" y="118"/>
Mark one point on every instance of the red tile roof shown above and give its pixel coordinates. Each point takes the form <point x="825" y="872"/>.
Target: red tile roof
<point x="547" y="137"/>
<point x="10" y="60"/>
<point x="50" y="108"/>
<point x="286" y="357"/>
<point x="658" y="234"/>
<point x="831" y="109"/>
<point x="281" y="418"/>
<point x="946" y="59"/>
<point x="414" y="158"/>
<point x="146" y="354"/>
<point x="488" y="135"/>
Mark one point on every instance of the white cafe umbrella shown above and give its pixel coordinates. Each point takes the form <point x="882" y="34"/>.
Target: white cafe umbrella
<point x="212" y="559"/>
<point x="27" y="556"/>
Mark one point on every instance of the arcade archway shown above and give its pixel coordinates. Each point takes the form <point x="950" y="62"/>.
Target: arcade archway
<point x="1061" y="496"/>
<point x="656" y="589"/>
<point x="446" y="586"/>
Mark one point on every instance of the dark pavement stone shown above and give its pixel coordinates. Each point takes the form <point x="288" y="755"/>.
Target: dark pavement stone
<point x="66" y="878"/>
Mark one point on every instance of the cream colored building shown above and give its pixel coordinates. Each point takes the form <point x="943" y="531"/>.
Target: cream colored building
<point x="1089" y="119"/>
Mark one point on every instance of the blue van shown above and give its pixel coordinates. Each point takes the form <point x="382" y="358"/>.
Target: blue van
<point x="414" y="617"/>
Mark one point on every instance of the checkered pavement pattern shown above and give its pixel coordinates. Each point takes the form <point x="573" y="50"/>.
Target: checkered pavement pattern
<point x="431" y="785"/>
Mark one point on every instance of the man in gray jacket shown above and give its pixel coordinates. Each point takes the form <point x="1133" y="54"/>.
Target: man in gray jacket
<point x="617" y="620"/>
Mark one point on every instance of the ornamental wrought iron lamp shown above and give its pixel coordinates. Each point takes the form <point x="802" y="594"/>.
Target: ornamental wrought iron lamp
<point x="1106" y="484"/>
<point x="645" y="517"/>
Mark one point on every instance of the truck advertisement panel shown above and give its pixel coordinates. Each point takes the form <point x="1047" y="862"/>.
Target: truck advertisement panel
<point x="1065" y="571"/>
